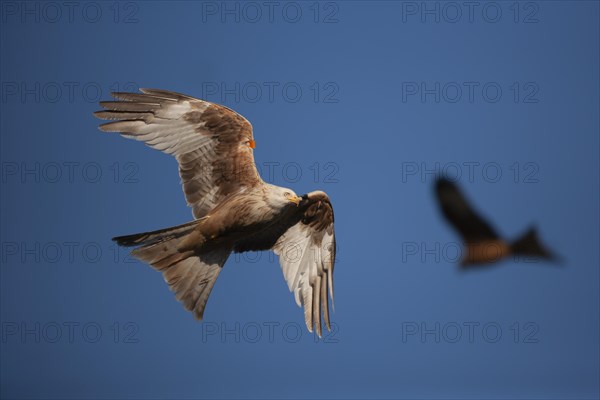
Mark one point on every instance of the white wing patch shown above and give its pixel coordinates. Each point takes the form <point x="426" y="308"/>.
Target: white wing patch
<point x="306" y="258"/>
<point x="178" y="125"/>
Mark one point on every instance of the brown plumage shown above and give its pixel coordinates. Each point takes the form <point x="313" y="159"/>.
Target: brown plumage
<point x="482" y="244"/>
<point x="234" y="209"/>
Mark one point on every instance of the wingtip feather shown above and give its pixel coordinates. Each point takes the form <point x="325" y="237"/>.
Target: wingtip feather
<point x="316" y="289"/>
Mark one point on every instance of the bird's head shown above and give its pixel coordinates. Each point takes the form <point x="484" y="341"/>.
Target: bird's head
<point x="281" y="197"/>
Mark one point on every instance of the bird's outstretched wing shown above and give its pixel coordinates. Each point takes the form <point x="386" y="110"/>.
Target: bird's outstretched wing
<point x="457" y="210"/>
<point x="212" y="144"/>
<point x="307" y="255"/>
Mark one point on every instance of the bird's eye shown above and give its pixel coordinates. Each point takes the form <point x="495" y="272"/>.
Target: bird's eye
<point x="287" y="194"/>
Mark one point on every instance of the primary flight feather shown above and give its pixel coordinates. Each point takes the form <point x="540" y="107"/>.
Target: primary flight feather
<point x="234" y="209"/>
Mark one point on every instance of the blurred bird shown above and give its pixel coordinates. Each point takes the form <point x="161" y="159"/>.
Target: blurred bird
<point x="234" y="209"/>
<point x="482" y="244"/>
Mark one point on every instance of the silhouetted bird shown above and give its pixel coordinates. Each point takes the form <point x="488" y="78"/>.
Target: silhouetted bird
<point x="482" y="245"/>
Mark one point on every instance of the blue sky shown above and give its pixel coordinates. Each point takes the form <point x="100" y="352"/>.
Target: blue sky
<point x="366" y="101"/>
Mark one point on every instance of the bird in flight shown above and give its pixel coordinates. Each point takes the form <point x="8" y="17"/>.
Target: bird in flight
<point x="234" y="209"/>
<point x="482" y="244"/>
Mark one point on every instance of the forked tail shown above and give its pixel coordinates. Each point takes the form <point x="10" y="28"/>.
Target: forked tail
<point x="529" y="245"/>
<point x="191" y="274"/>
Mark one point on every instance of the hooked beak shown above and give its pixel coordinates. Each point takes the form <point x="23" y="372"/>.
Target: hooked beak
<point x="296" y="200"/>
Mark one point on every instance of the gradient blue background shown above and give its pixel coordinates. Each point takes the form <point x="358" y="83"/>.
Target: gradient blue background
<point x="368" y="134"/>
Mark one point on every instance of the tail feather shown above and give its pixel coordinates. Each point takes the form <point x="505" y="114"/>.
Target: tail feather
<point x="190" y="274"/>
<point x="147" y="238"/>
<point x="529" y="245"/>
